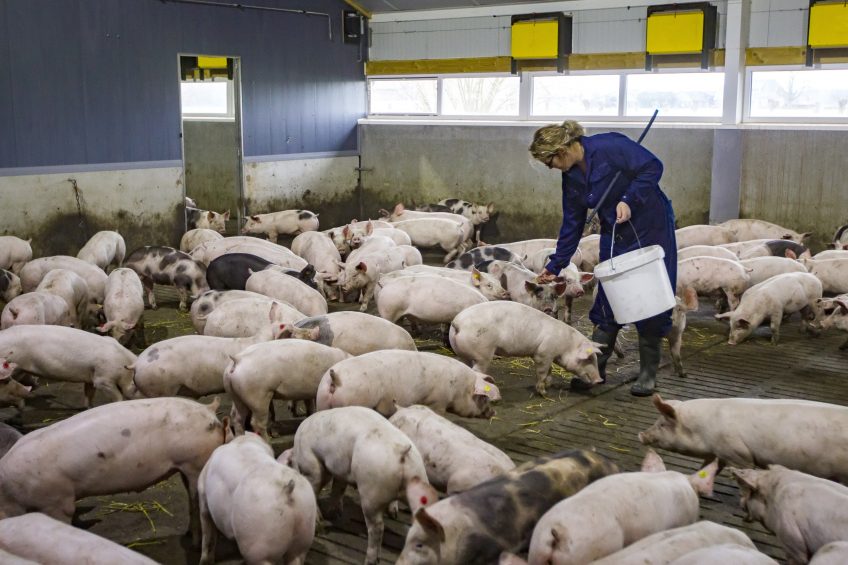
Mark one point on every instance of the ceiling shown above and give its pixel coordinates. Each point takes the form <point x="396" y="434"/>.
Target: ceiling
<point x="390" y="6"/>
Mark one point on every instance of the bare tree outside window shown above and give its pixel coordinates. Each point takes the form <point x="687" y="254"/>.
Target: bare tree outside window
<point x="480" y="96"/>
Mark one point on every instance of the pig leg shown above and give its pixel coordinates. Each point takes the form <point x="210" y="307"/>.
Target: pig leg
<point x="259" y="419"/>
<point x="776" y="319"/>
<point x="190" y="482"/>
<point x="844" y="346"/>
<point x="151" y="298"/>
<point x="481" y="362"/>
<point x="675" y="341"/>
<point x="336" y="500"/>
<point x="808" y="317"/>
<point x="183" y="299"/>
<point x="237" y="415"/>
<point x="89" y="394"/>
<point x="272" y="236"/>
<point x="209" y="533"/>
<point x="367" y="294"/>
<point x="373" y="514"/>
<point x="543" y="374"/>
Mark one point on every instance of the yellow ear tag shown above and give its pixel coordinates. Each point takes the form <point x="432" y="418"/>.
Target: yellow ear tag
<point x="487" y="388"/>
<point x="589" y="351"/>
<point x="702" y="474"/>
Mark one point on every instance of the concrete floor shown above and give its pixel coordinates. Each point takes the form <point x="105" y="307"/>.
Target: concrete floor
<point x="608" y="418"/>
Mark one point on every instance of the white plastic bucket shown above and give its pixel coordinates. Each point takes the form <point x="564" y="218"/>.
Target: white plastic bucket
<point x="636" y="284"/>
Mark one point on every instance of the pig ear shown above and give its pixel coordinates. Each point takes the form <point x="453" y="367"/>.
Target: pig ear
<point x="369" y="229"/>
<point x="314" y="333"/>
<point x="210" y="215"/>
<point x="790" y="254"/>
<point x="475" y="276"/>
<point x="690" y="299"/>
<point x="227" y="215"/>
<point x="485" y="386"/>
<point x="841" y="304"/>
<point x="664" y="407"/>
<point x="586" y="277"/>
<point x="105" y="327"/>
<point x="256" y="219"/>
<point x="805" y="235"/>
<point x="430" y="524"/>
<point x="419" y="494"/>
<point x="284" y="332"/>
<point x="725" y="316"/>
<point x="362" y="267"/>
<point x="652" y="463"/>
<point x="346" y="232"/>
<point x="384" y="213"/>
<point x="273" y="311"/>
<point x="285" y="458"/>
<point x="508" y="558"/>
<point x="532" y="287"/>
<point x="743" y="323"/>
<point x="703" y="480"/>
<point x="745" y="478"/>
<point x="559" y="288"/>
<point x="586" y="351"/>
<point x="399" y="208"/>
<point x="491" y="207"/>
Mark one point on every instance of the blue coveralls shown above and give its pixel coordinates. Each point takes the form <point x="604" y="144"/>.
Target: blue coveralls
<point x="651" y="215"/>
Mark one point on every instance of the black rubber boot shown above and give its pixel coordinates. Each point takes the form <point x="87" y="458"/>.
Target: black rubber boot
<point x="649" y="362"/>
<point x="608" y="340"/>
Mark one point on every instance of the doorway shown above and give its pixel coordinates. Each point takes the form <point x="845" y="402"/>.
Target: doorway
<point x="210" y="104"/>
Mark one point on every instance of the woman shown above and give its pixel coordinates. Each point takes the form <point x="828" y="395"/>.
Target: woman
<point x="642" y="212"/>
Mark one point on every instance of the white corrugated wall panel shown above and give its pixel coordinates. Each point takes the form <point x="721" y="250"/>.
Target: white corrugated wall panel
<point x="778" y="23"/>
<point x="609" y="31"/>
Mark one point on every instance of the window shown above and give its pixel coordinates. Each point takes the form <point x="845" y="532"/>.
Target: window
<point x="576" y="95"/>
<point x="207" y="99"/>
<point x="403" y="96"/>
<point x="675" y="94"/>
<point x="480" y="96"/>
<point x="809" y="93"/>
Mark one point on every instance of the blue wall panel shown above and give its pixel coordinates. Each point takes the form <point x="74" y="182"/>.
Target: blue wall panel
<point x="96" y="81"/>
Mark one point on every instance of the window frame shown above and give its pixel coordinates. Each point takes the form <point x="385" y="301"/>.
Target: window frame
<point x="230" y="115"/>
<point x="403" y="77"/>
<point x="794" y="120"/>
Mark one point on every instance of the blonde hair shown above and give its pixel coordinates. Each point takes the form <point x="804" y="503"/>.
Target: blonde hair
<point x="549" y="140"/>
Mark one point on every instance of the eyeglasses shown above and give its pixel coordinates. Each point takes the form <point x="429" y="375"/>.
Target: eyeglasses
<point x="549" y="162"/>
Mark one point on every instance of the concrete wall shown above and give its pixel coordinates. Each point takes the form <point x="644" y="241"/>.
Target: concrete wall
<point x="211" y="165"/>
<point x="425" y="163"/>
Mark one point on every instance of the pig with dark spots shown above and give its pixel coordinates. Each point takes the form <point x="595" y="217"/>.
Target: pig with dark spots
<point x="480" y="332"/>
<point x="359" y="447"/>
<point x="470" y="259"/>
<point x="37" y="308"/>
<point x="24" y="537"/>
<point x="268" y="508"/>
<point x="68" y="354"/>
<point x="748" y="229"/>
<point x="804" y="512"/>
<point x="34" y="272"/>
<point x="193" y="238"/>
<point x="840" y="238"/>
<point x="10" y="285"/>
<point x="432" y="208"/>
<point x="206" y="219"/>
<point x="522" y="287"/>
<point x="14" y="253"/>
<point x="12" y="393"/>
<point x="358" y="333"/>
<point x="88" y="455"/>
<point x="455" y="459"/>
<point x="615" y="511"/>
<point x="479" y="214"/>
<point x="748" y="432"/>
<point x="289" y="369"/>
<point x="104" y="249"/>
<point x="247" y="316"/>
<point x="231" y="271"/>
<point x="170" y="267"/>
<point x="833" y="313"/>
<point x="384" y="380"/>
<point x="206" y="303"/>
<point x="161" y="370"/>
<point x="124" y="307"/>
<point x="475" y="526"/>
<point x="286" y="222"/>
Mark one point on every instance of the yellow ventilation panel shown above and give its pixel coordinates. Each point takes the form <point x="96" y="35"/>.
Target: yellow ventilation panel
<point x="828" y="25"/>
<point x="675" y="33"/>
<point x="211" y="62"/>
<point x="535" y="39"/>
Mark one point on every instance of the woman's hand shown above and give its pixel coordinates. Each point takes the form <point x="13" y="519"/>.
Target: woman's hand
<point x="545" y="277"/>
<point x="622" y="213"/>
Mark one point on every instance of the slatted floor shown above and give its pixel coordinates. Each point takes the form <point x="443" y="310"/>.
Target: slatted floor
<point x="607" y="418"/>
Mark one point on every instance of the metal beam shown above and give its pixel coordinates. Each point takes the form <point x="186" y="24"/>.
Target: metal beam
<point x="358" y="7"/>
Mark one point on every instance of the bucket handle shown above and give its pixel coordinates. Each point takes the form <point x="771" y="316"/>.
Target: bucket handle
<point x="612" y="242"/>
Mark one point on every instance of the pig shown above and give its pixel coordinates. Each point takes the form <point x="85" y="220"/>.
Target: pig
<point x="425" y="298"/>
<point x="306" y="275"/>
<point x="124" y="307"/>
<point x="515" y="330"/>
<point x="833" y="273"/>
<point x="231" y="270"/>
<point x="248" y="316"/>
<point x="687" y="303"/>
<point x="357" y="333"/>
<point x="475" y="526"/>
<point x="286" y="222"/>
<point x="290" y="369"/>
<point x="710" y="275"/>
<point x="340" y="241"/>
<point x="748" y="229"/>
<point x="206" y="303"/>
<point x="706" y="251"/>
<point x="665" y="547"/>
<point x="363" y="272"/>
<point x="726" y="553"/>
<point x="34" y="271"/>
<point x="479" y="214"/>
<point x="396" y="235"/>
<point x="456" y="460"/>
<point x="574" y="281"/>
<point x="834" y="314"/>
<point x="400" y="214"/>
<point x="431" y="208"/>
<point x="167" y="266"/>
<point x="193" y="238"/>
<point x="522" y="288"/>
<point x="529" y="247"/>
<point x="384" y="380"/>
<point x="488" y="285"/>
<point x="104" y="249"/>
<point x="68" y="354"/>
<point x="840" y="238"/>
<point x="763" y="268"/>
<point x="190" y="202"/>
<point x="36" y="308"/>
<point x="277" y="254"/>
<point x="357" y="446"/>
<point x="831" y="254"/>
<point x="114" y="448"/>
<point x="590" y="252"/>
<point x="355" y="234"/>
<point x="206" y="219"/>
<point x="537" y="261"/>
<point x="834" y="553"/>
<point x="25" y="536"/>
<point x="804" y="512"/>
<point x="470" y="259"/>
<point x="161" y="369"/>
<point x="773" y="299"/>
<point x="266" y="507"/>
<point x="8" y="435"/>
<point x="703" y="235"/>
<point x="10" y="285"/>
<point x="14" y="253"/>
<point x="776" y="248"/>
<point x="611" y="513"/>
<point x="71" y="288"/>
<point x="799" y="434"/>
<point x="287" y="289"/>
<point x="12" y="393"/>
<point x="435" y="232"/>
<point x="318" y="250"/>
